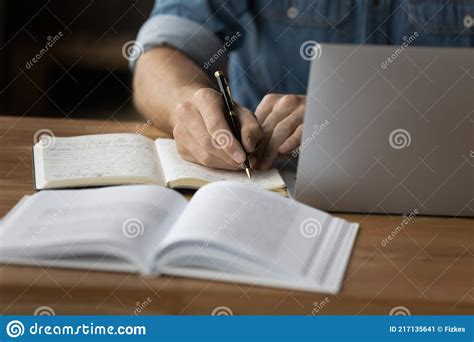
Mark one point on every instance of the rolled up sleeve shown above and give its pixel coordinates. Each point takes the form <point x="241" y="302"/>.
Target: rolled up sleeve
<point x="200" y="29"/>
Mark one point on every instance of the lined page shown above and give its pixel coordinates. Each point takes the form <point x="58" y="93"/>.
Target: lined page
<point x="99" y="156"/>
<point x="175" y="168"/>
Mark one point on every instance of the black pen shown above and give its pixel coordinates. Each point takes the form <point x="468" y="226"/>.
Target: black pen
<point x="230" y="114"/>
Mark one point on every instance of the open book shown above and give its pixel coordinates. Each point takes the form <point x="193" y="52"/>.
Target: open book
<point x="228" y="231"/>
<point x="117" y="159"/>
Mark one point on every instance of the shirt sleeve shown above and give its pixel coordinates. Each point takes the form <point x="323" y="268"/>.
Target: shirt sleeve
<point x="204" y="30"/>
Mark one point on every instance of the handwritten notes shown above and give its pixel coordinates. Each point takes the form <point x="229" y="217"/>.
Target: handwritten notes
<point x="104" y="155"/>
<point x="175" y="168"/>
<point x="106" y="159"/>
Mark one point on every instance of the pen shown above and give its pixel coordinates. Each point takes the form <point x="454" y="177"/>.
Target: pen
<point x="230" y="114"/>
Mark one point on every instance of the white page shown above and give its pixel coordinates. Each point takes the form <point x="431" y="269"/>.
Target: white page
<point x="99" y="156"/>
<point x="124" y="219"/>
<point x="22" y="203"/>
<point x="175" y="168"/>
<point x="275" y="231"/>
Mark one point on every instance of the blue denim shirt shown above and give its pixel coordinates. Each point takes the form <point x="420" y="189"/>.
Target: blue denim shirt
<point x="262" y="42"/>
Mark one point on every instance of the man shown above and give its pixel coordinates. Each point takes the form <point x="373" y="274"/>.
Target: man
<point x="266" y="47"/>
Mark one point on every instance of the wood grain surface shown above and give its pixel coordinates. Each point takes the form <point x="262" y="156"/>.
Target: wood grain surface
<point x="426" y="268"/>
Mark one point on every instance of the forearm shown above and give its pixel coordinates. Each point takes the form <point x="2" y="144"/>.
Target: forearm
<point x="164" y="78"/>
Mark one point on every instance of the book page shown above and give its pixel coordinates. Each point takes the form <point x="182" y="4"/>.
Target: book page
<point x="123" y="156"/>
<point x="125" y="221"/>
<point x="281" y="235"/>
<point x="175" y="168"/>
<point x="250" y="222"/>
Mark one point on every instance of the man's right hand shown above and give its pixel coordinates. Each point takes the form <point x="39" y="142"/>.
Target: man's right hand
<point x="203" y="136"/>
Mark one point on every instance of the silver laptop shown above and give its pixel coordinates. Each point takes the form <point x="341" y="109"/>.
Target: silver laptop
<point x="389" y="129"/>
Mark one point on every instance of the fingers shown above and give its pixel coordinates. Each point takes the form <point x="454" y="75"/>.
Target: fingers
<point x="195" y="154"/>
<point x="292" y="142"/>
<point x="210" y="105"/>
<point x="281" y="121"/>
<point x="265" y="106"/>
<point x="250" y="129"/>
<point x="282" y="131"/>
<point x="191" y="133"/>
<point x="281" y="110"/>
<point x="203" y="136"/>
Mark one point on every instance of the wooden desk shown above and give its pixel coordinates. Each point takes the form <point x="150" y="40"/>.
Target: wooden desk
<point x="427" y="267"/>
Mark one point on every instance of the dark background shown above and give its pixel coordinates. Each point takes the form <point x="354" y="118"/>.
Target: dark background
<point x="84" y="75"/>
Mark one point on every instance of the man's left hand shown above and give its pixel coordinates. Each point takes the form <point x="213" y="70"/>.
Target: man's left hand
<point x="281" y="118"/>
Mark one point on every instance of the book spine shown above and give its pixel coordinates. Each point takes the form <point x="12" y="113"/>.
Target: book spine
<point x="33" y="168"/>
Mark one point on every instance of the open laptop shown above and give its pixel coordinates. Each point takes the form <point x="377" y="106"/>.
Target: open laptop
<point x="389" y="130"/>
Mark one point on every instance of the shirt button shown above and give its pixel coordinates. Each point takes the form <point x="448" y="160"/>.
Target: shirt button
<point x="292" y="12"/>
<point x="468" y="21"/>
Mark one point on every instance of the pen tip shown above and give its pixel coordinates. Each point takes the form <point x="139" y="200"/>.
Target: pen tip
<point x="249" y="175"/>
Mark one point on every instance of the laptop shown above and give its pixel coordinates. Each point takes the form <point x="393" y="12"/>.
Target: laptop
<point x="389" y="129"/>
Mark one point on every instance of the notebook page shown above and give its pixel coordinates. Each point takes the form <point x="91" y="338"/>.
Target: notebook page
<point x="174" y="168"/>
<point x="99" y="156"/>
<point x="281" y="234"/>
<point x="65" y="223"/>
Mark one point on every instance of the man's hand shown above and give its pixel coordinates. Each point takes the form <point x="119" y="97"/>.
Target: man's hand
<point x="281" y="118"/>
<point x="203" y="136"/>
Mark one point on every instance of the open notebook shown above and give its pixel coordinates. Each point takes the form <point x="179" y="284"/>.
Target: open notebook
<point x="228" y="231"/>
<point x="123" y="158"/>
